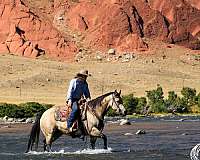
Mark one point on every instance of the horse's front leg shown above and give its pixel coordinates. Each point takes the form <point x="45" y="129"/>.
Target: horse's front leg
<point x="104" y="137"/>
<point x="96" y="133"/>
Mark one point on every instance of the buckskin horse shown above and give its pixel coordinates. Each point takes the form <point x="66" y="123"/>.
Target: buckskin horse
<point x="93" y="124"/>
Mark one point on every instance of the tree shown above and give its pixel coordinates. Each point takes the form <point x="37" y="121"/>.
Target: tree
<point x="141" y="105"/>
<point x="171" y="101"/>
<point x="189" y="95"/>
<point x="130" y="103"/>
<point x="198" y="99"/>
<point x="156" y="100"/>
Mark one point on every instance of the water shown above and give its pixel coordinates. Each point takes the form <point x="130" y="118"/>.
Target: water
<point x="170" y="139"/>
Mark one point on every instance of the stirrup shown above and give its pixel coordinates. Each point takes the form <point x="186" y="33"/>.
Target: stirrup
<point x="71" y="129"/>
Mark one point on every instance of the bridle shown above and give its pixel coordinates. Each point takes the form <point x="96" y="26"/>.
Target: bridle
<point x="114" y="101"/>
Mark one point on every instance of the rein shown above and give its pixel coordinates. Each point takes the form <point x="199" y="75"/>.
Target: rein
<point x="114" y="101"/>
<point x="95" y="114"/>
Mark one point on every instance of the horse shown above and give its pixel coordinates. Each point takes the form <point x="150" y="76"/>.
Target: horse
<point x="93" y="124"/>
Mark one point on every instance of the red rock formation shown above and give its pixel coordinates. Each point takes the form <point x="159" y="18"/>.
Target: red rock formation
<point x="194" y="3"/>
<point x="101" y="24"/>
<point x="184" y="21"/>
<point x="106" y="24"/>
<point x="24" y="33"/>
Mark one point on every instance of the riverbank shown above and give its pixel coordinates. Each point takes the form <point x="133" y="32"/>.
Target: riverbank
<point x="112" y="123"/>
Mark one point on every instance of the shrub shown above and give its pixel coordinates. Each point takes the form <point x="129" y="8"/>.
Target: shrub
<point x="23" y="110"/>
<point x="156" y="100"/>
<point x="189" y="95"/>
<point x="111" y="112"/>
<point x="198" y="102"/>
<point x="171" y="101"/>
<point x="130" y="103"/>
<point x="181" y="105"/>
<point x="10" y="110"/>
<point x="31" y="108"/>
<point x="141" y="105"/>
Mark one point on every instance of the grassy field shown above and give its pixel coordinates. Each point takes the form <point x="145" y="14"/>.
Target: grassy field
<point x="46" y="81"/>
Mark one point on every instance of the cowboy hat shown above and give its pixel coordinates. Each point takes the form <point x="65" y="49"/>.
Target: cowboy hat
<point x="84" y="72"/>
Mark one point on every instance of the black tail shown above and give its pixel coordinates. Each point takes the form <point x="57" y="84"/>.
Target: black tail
<point x="35" y="133"/>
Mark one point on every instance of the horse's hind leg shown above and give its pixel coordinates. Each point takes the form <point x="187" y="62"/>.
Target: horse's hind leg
<point x="50" y="139"/>
<point x="45" y="145"/>
<point x="47" y="142"/>
<point x="56" y="135"/>
<point x="93" y="141"/>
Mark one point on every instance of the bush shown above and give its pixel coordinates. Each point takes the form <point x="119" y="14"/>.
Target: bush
<point x="111" y="112"/>
<point x="189" y="95"/>
<point x="171" y="101"/>
<point x="31" y="108"/>
<point x="181" y="105"/>
<point x="24" y="110"/>
<point x="141" y="105"/>
<point x="198" y="100"/>
<point x="156" y="100"/>
<point x="10" y="110"/>
<point x="130" y="103"/>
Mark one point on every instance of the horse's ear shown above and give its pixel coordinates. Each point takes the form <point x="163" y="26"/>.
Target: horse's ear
<point x="120" y="91"/>
<point x="115" y="91"/>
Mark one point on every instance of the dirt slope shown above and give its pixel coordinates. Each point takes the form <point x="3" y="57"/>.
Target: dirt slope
<point x="42" y="80"/>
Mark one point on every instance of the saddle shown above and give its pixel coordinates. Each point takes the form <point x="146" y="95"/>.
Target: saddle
<point x="62" y="113"/>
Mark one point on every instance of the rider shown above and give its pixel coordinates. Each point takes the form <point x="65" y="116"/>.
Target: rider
<point x="78" y="88"/>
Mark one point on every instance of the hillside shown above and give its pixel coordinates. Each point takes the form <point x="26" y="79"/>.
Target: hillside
<point x="43" y="80"/>
<point x="131" y="45"/>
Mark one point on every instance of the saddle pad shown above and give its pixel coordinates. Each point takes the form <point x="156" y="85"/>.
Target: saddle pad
<point x="62" y="113"/>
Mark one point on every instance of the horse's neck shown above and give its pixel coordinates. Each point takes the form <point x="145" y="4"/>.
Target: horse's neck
<point x="101" y="110"/>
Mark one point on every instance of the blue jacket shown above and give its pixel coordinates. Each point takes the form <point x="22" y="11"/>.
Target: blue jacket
<point x="77" y="89"/>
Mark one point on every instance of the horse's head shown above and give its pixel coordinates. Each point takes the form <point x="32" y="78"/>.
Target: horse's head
<point x="116" y="103"/>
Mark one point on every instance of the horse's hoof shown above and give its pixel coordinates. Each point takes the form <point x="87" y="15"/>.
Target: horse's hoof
<point x="27" y="151"/>
<point x="82" y="137"/>
<point x="105" y="147"/>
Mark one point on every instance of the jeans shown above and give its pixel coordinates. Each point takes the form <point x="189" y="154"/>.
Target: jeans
<point x="73" y="115"/>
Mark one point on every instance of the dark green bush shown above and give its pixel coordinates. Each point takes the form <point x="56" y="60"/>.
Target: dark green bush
<point x="181" y="105"/>
<point x="141" y="105"/>
<point x="24" y="110"/>
<point x="176" y="103"/>
<point x="156" y="100"/>
<point x="130" y="103"/>
<point x="189" y="95"/>
<point x="31" y="108"/>
<point x="198" y="100"/>
<point x="10" y="110"/>
<point x="111" y="112"/>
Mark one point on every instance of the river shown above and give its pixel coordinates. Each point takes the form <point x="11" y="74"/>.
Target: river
<point x="169" y="138"/>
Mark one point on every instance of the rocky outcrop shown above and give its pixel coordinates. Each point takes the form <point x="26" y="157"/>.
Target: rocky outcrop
<point x="24" y="33"/>
<point x="194" y="3"/>
<point x="68" y="27"/>
<point x="183" y="21"/>
<point x="122" y="24"/>
<point x="108" y="24"/>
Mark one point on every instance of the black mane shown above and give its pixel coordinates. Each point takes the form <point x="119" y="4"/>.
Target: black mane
<point x="97" y="101"/>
